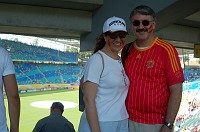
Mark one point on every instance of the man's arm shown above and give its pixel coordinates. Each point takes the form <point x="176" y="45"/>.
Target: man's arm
<point x="11" y="90"/>
<point x="173" y="103"/>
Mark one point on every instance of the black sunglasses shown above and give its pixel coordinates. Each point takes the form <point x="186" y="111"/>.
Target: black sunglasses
<point x="144" y="22"/>
<point x="115" y="35"/>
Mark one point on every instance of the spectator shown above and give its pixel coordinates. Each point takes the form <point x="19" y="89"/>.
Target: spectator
<point x="105" y="84"/>
<point x="55" y="122"/>
<point x="8" y="78"/>
<point x="155" y="74"/>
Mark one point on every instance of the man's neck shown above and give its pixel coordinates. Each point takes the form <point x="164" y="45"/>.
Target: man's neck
<point x="144" y="43"/>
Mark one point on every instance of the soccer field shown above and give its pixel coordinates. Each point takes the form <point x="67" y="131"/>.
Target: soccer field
<point x="31" y="114"/>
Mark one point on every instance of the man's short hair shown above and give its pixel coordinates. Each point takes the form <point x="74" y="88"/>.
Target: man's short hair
<point x="58" y="105"/>
<point x="144" y="10"/>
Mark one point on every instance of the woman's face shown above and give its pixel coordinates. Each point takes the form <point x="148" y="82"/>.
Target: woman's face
<point x="115" y="40"/>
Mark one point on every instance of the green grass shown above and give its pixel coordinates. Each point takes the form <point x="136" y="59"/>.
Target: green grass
<point x="30" y="115"/>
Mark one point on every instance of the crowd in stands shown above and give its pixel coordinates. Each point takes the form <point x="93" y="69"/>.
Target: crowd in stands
<point x="191" y="74"/>
<point x="36" y="64"/>
<point x="34" y="73"/>
<point x="188" y="118"/>
<point x="25" y="52"/>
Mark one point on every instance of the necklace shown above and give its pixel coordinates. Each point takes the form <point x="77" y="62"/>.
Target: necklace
<point x="123" y="73"/>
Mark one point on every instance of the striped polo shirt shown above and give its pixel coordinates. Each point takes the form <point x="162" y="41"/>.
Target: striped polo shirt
<point x="151" y="71"/>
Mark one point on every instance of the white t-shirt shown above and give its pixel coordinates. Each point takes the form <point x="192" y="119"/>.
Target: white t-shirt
<point x="6" y="68"/>
<point x="112" y="91"/>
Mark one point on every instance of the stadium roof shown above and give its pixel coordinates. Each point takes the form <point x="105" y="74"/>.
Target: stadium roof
<point x="178" y="21"/>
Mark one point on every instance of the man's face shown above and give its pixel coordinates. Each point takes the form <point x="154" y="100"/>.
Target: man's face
<point x="142" y="26"/>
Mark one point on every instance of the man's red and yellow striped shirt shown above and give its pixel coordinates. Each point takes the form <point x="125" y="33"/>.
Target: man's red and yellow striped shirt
<point x="151" y="71"/>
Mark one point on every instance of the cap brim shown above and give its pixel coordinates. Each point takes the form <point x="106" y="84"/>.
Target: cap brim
<point x="117" y="31"/>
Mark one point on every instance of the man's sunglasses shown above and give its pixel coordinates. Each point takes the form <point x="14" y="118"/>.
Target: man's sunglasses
<point x="144" y="22"/>
<point x="115" y="35"/>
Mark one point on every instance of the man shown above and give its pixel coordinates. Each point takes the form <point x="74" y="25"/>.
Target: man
<point x="8" y="78"/>
<point x="155" y="74"/>
<point x="55" y="122"/>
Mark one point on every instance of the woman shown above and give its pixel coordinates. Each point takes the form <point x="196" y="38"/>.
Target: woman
<point x="105" y="84"/>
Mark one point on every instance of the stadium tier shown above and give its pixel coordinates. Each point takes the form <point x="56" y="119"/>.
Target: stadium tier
<point x="24" y="52"/>
<point x="41" y="65"/>
<point x="33" y="73"/>
<point x="191" y="74"/>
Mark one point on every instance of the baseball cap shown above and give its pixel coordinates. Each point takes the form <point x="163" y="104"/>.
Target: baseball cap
<point x="114" y="24"/>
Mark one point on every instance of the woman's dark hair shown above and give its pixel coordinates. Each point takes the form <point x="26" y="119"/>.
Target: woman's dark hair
<point x="100" y="42"/>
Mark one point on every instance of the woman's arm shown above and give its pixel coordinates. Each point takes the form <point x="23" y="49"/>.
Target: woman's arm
<point x="90" y="90"/>
<point x="11" y="90"/>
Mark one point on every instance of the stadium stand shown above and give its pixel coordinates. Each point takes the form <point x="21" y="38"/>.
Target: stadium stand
<point x="188" y="118"/>
<point x="40" y="65"/>
<point x="191" y="73"/>
<point x="33" y="73"/>
<point x="24" y="52"/>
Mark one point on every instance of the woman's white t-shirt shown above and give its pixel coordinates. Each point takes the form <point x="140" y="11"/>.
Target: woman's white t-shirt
<point x="112" y="86"/>
<point x="6" y="68"/>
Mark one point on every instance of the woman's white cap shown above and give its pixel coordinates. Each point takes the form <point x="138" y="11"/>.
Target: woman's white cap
<point x="114" y="24"/>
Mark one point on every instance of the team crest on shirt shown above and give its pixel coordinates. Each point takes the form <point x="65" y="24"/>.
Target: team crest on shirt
<point x="150" y="63"/>
<point x="138" y="56"/>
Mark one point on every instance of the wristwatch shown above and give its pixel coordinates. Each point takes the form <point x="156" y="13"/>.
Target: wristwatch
<point x="169" y="125"/>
